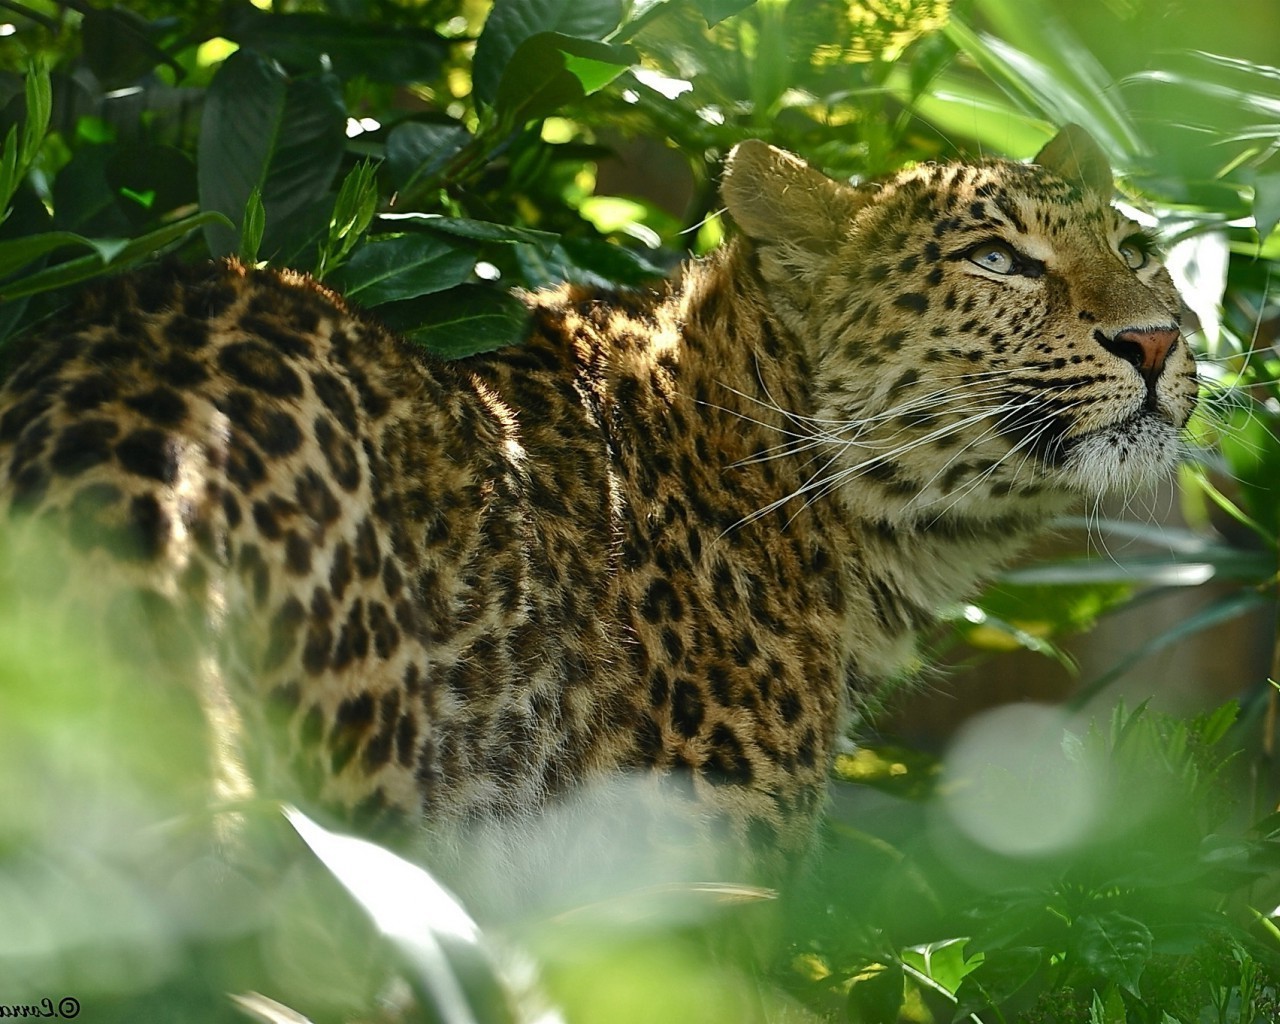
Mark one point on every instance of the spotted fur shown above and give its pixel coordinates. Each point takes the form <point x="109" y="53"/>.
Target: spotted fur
<point x="672" y="534"/>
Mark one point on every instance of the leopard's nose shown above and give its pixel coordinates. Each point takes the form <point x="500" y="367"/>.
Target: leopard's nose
<point x="1146" y="350"/>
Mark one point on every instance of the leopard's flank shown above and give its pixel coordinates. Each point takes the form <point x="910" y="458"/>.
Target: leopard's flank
<point x="672" y="535"/>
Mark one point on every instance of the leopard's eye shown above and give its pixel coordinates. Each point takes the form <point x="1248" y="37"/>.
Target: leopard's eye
<point x="1134" y="253"/>
<point x="995" y="257"/>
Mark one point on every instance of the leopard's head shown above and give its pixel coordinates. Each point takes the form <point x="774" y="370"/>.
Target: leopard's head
<point x="978" y="331"/>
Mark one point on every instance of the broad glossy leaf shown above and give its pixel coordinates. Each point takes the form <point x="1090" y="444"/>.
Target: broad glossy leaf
<point x="356" y="47"/>
<point x="550" y="70"/>
<point x="1115" y="945"/>
<point x="511" y="22"/>
<point x="118" y="45"/>
<point x="417" y="150"/>
<point x="1075" y="86"/>
<point x="389" y="269"/>
<point x="1003" y="973"/>
<point x="263" y="129"/>
<point x="479" y="230"/>
<point x="1036" y="88"/>
<point x="460" y="322"/>
<point x="943" y="962"/>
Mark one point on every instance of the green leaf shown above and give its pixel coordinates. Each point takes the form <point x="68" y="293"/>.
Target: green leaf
<point x="1266" y="203"/>
<point x="261" y="129"/>
<point x="396" y="267"/>
<point x="20" y="150"/>
<point x="416" y="150"/>
<point x="550" y="70"/>
<point x="251" y="228"/>
<point x="398" y="53"/>
<point x="460" y="322"/>
<point x="118" y="47"/>
<point x="479" y="230"/>
<point x="1115" y="945"/>
<point x="512" y="22"/>
<point x="943" y="962"/>
<point x="1033" y="45"/>
<point x="1110" y="1010"/>
<point x="1003" y="973"/>
<point x="18" y="253"/>
<point x="74" y="271"/>
<point x="715" y="11"/>
<point x="353" y="211"/>
<point x="441" y="947"/>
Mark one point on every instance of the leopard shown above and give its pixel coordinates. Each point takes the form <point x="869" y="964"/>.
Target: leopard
<point x="677" y="535"/>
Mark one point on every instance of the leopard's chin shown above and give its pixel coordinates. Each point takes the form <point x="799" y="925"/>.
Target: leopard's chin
<point x="1133" y="454"/>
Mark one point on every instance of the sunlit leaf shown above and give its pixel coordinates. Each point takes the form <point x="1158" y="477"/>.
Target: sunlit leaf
<point x="435" y="936"/>
<point x="512" y="22"/>
<point x="944" y="963"/>
<point x="550" y="69"/>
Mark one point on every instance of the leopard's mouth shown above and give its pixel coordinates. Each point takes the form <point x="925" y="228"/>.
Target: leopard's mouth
<point x="1137" y="451"/>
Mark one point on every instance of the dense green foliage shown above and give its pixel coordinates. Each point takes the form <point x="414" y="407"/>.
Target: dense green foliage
<point x="426" y="156"/>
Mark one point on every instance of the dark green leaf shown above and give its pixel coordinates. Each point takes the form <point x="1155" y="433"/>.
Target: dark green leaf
<point x="479" y="230"/>
<point x="163" y="171"/>
<point x="460" y="322"/>
<point x="1116" y="946"/>
<point x="62" y="274"/>
<point x="262" y="129"/>
<point x="550" y="70"/>
<point x="417" y="150"/>
<point x="356" y="47"/>
<point x="512" y="22"/>
<point x="612" y="262"/>
<point x="1003" y="974"/>
<point x="16" y="254"/>
<point x="389" y="269"/>
<point x="875" y="997"/>
<point x="715" y="11"/>
<point x="118" y="46"/>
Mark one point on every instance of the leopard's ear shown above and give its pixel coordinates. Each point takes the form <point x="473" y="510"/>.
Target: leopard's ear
<point x="1072" y="154"/>
<point x="775" y="196"/>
